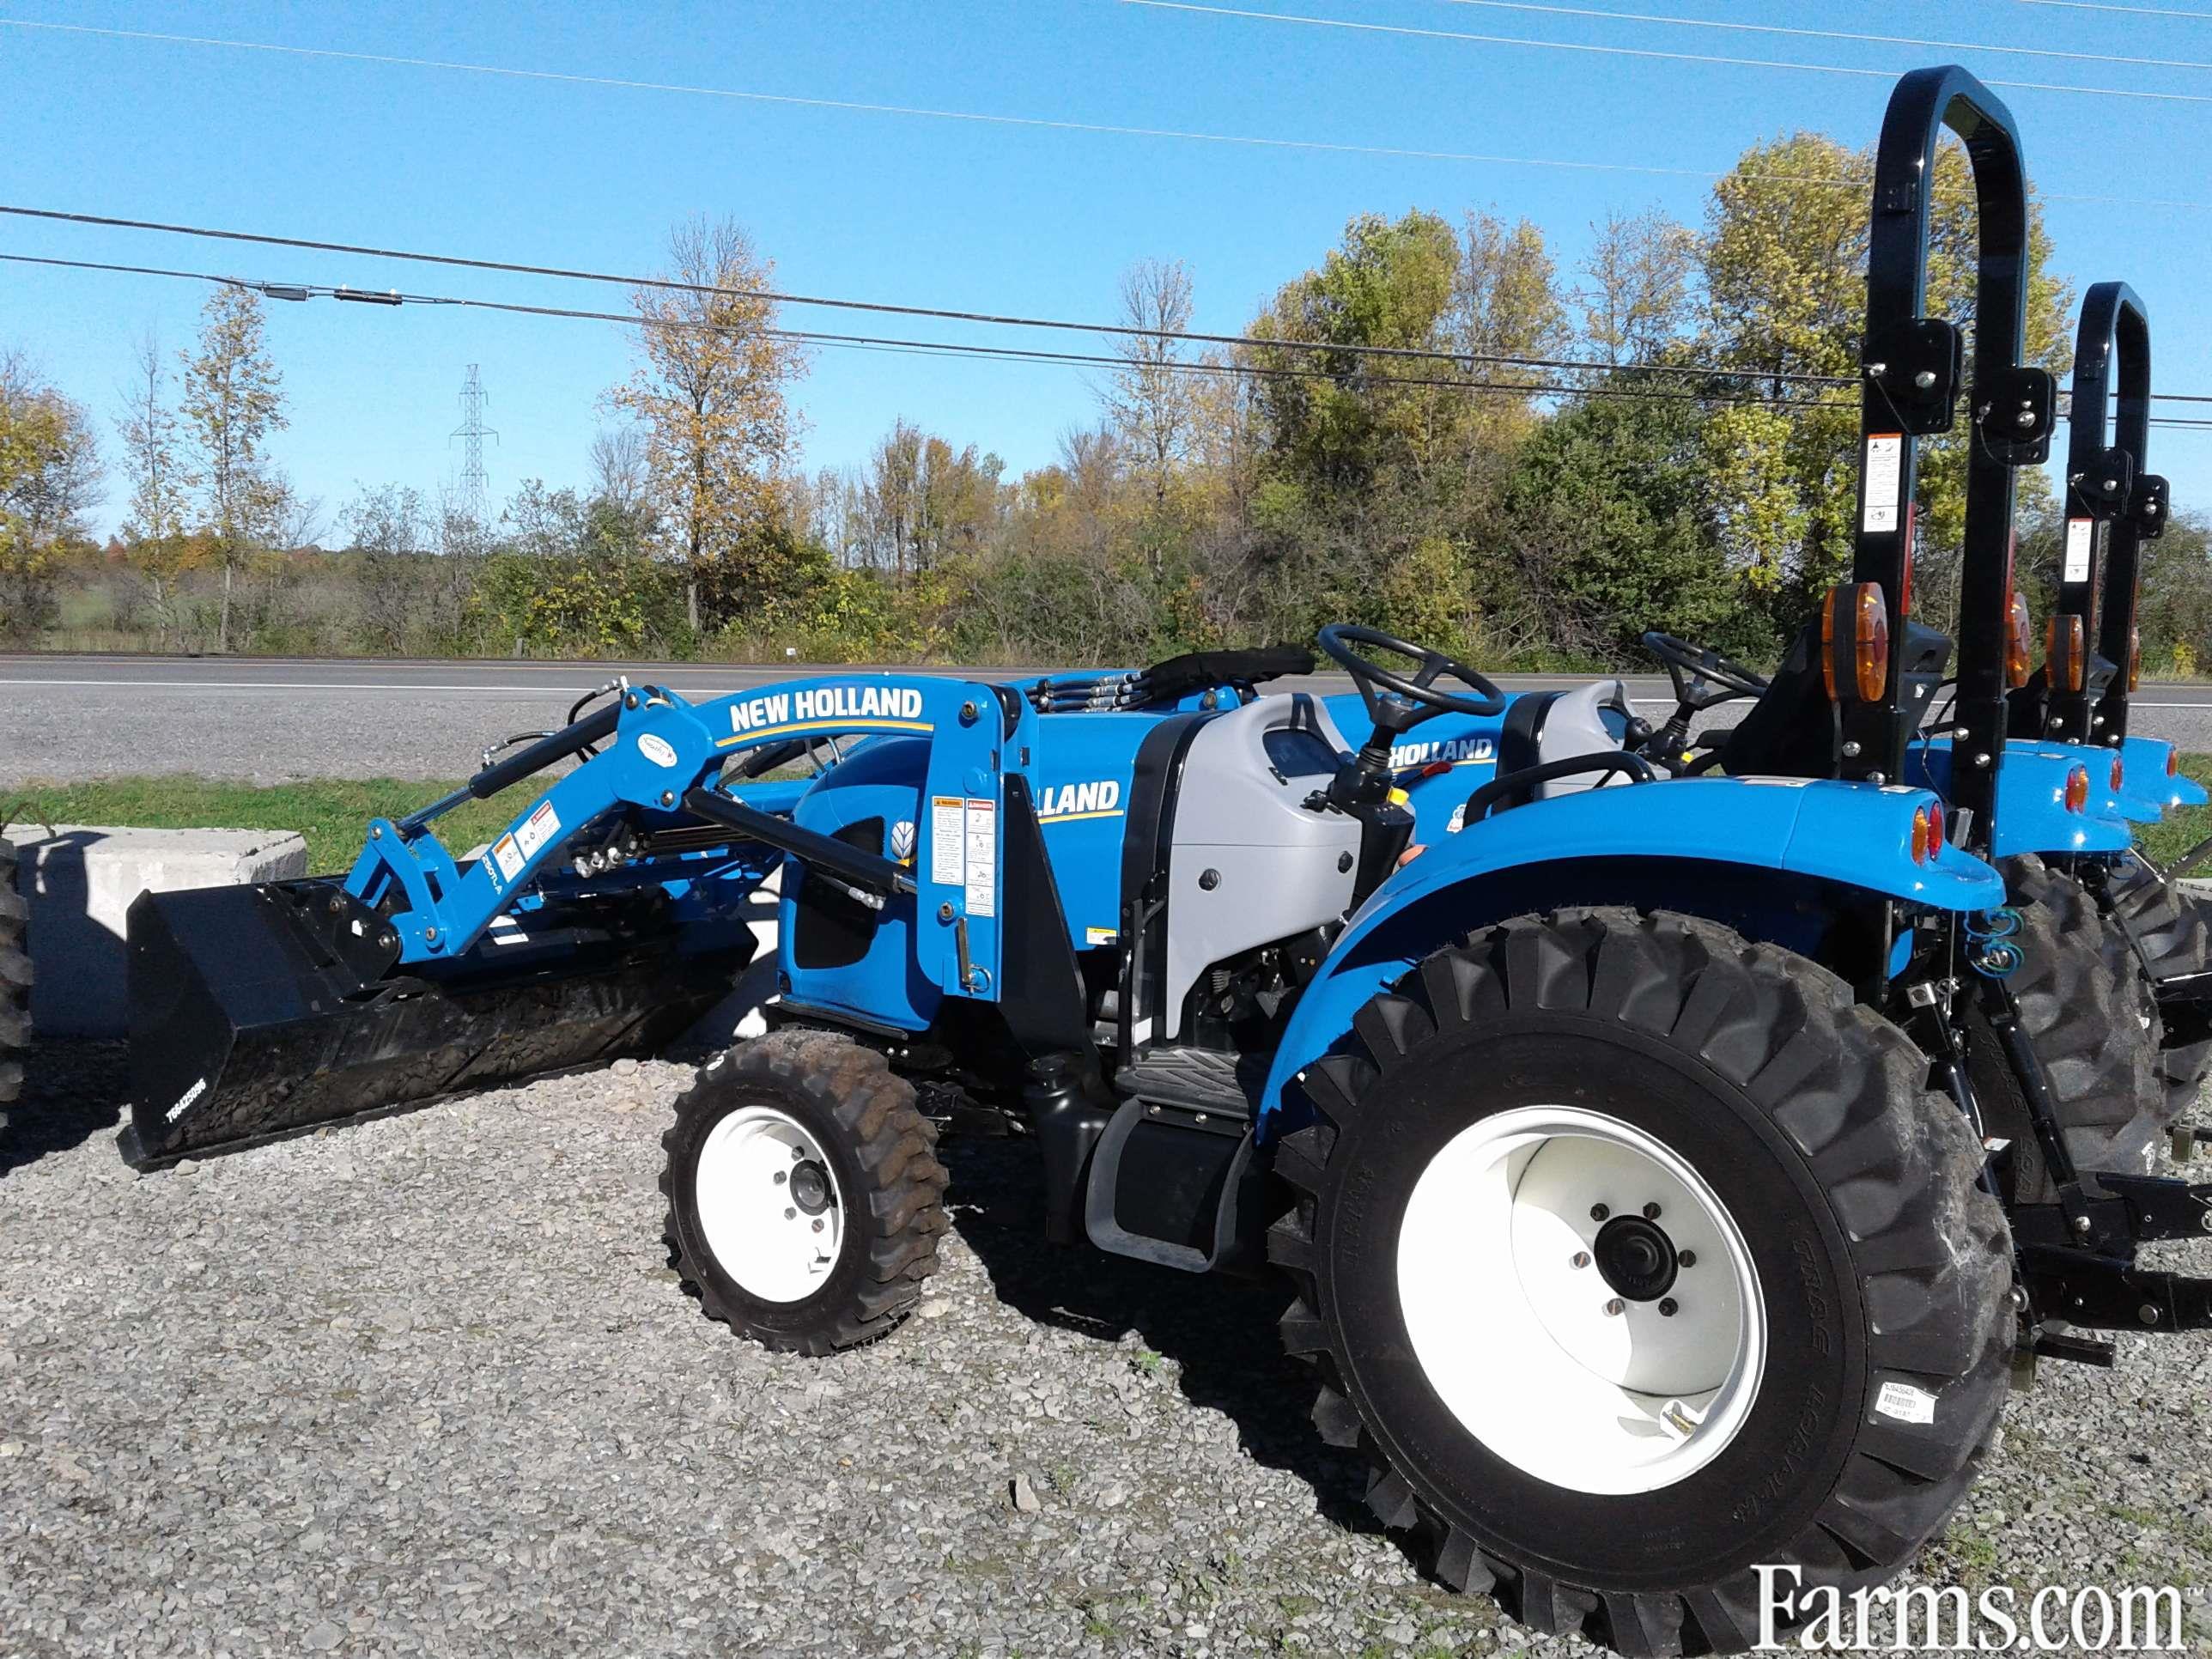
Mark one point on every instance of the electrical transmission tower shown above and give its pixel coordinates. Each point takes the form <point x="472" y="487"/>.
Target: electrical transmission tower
<point x="472" y="431"/>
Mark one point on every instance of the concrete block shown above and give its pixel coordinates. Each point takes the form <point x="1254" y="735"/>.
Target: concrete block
<point x="81" y="880"/>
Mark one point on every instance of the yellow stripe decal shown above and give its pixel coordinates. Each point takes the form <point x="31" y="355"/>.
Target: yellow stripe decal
<point x="1070" y="817"/>
<point x="825" y="725"/>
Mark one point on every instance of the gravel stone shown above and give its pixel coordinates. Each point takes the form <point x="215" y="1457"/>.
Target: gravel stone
<point x="424" y="1387"/>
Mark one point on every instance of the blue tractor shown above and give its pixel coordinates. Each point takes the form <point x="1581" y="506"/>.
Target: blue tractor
<point x="1627" y="1152"/>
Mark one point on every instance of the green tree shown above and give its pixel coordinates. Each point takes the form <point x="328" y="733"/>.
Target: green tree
<point x="1606" y="533"/>
<point x="49" y="475"/>
<point x="233" y="399"/>
<point x="1784" y="273"/>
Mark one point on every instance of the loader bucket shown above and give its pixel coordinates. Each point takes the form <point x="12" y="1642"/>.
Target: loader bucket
<point x="247" y="1025"/>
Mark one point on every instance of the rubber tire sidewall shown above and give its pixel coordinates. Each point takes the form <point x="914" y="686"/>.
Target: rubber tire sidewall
<point x="838" y="1291"/>
<point x="1757" y="1495"/>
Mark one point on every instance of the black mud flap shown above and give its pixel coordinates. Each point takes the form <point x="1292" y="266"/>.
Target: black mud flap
<point x="259" y="1012"/>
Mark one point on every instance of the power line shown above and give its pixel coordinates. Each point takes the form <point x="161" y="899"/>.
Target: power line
<point x="297" y="291"/>
<point x="2140" y="11"/>
<point x="886" y="308"/>
<point x="1418" y="354"/>
<point x="392" y="297"/>
<point x="1830" y="34"/>
<point x="1641" y="52"/>
<point x="1317" y="146"/>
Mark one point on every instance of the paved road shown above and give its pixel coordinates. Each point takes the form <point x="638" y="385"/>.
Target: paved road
<point x="272" y="718"/>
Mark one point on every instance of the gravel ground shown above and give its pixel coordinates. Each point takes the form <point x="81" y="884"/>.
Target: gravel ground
<point x="427" y="1386"/>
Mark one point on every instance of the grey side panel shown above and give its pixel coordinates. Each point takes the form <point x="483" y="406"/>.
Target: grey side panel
<point x="1275" y="865"/>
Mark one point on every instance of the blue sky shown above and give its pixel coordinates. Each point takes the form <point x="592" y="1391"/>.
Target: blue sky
<point x="946" y="212"/>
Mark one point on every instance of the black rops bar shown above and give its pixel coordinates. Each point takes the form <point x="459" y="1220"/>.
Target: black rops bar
<point x="559" y="746"/>
<point x="2115" y="325"/>
<point x="1913" y="366"/>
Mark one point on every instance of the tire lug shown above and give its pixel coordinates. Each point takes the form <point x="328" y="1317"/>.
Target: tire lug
<point x="1668" y="1308"/>
<point x="1599" y="1213"/>
<point x="791" y="1215"/>
<point x="1579" y="1259"/>
<point x="1651" y="1213"/>
<point x="779" y="1177"/>
<point x="817" y="1224"/>
<point x="1615" y="1308"/>
<point x="1686" y="1259"/>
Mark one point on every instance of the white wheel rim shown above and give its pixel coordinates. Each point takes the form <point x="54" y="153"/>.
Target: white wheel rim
<point x="769" y="1204"/>
<point x="1531" y="1345"/>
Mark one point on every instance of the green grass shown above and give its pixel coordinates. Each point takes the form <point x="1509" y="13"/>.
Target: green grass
<point x="2180" y="831"/>
<point x="331" y="814"/>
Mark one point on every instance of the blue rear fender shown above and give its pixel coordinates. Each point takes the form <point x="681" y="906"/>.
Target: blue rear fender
<point x="2145" y="760"/>
<point x="2032" y="815"/>
<point x="1790" y="838"/>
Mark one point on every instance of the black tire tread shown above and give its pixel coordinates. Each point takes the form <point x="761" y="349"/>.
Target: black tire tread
<point x="2087" y="1009"/>
<point x="2174" y="930"/>
<point x="902" y="1216"/>
<point x="1849" y="1090"/>
<point x="15" y="981"/>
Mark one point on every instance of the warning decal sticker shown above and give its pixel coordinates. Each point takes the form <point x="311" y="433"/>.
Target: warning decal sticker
<point x="1885" y="470"/>
<point x="982" y="839"/>
<point x="2081" y="539"/>
<point x="944" y="829"/>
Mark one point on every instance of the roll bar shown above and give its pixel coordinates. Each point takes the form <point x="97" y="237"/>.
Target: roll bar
<point x="1913" y="366"/>
<point x="2113" y="502"/>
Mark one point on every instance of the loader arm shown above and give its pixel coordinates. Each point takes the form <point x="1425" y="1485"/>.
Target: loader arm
<point x="613" y="910"/>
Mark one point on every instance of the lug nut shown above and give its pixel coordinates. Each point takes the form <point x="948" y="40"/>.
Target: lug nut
<point x="791" y="1215"/>
<point x="1686" y="1259"/>
<point x="1616" y="1308"/>
<point x="1651" y="1213"/>
<point x="1668" y="1307"/>
<point x="1598" y="1213"/>
<point x="1579" y="1259"/>
<point x="817" y="1224"/>
<point x="779" y="1177"/>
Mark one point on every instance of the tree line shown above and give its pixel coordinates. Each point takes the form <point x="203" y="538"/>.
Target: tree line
<point x="1434" y="429"/>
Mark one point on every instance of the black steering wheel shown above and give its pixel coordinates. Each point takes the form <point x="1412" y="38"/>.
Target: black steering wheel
<point x="1397" y="702"/>
<point x="1703" y="678"/>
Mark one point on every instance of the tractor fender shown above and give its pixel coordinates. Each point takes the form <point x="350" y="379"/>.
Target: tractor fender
<point x="1795" y="833"/>
<point x="2031" y="813"/>
<point x="2145" y="759"/>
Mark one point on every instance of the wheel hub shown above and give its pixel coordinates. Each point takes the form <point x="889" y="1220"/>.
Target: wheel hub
<point x="1636" y="1258"/>
<point x="768" y="1204"/>
<point x="810" y="1186"/>
<point x="1580" y="1299"/>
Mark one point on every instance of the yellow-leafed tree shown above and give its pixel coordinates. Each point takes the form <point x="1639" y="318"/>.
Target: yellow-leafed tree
<point x="711" y="395"/>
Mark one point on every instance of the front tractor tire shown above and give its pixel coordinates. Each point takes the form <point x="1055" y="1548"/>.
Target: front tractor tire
<point x="1634" y="1256"/>
<point x="805" y="1197"/>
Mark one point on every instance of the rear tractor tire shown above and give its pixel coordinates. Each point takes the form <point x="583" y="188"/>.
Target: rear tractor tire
<point x="2087" y="1012"/>
<point x="14" y="983"/>
<point x="1635" y="1256"/>
<point x="805" y="1197"/>
<point x="2175" y="932"/>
